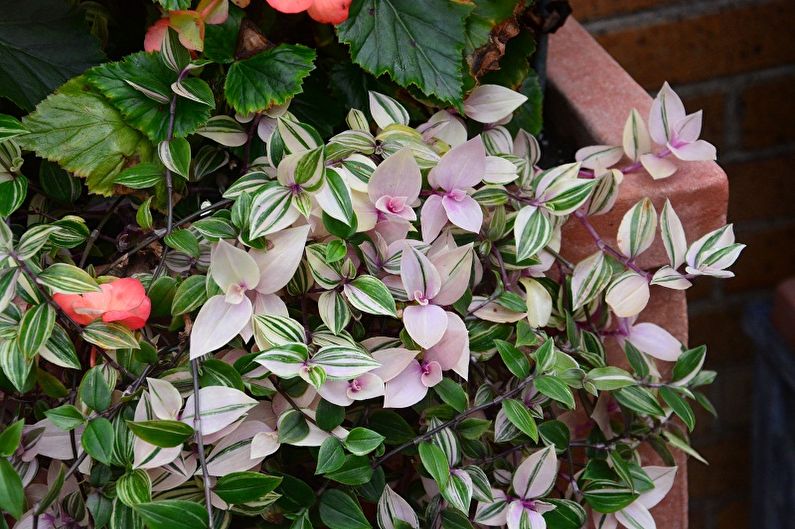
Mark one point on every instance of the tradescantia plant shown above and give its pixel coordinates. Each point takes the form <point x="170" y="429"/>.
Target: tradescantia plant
<point x="252" y="320"/>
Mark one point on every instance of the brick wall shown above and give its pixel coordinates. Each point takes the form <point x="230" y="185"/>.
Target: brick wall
<point x="736" y="60"/>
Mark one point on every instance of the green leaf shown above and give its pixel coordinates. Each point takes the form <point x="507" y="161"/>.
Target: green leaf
<point x="680" y="406"/>
<point x="183" y="241"/>
<point x="330" y="457"/>
<point x="683" y="445"/>
<point x="355" y="470"/>
<point x="97" y="440"/>
<point x="370" y="295"/>
<point x="242" y="487"/>
<point x="329" y="415"/>
<point x="12" y="194"/>
<point x="175" y="155"/>
<point x="340" y="511"/>
<point x="109" y="336"/>
<point x="520" y="417"/>
<point x="639" y="399"/>
<point x="53" y="491"/>
<point x="35" y="329"/>
<point x="556" y="433"/>
<point x="452" y="394"/>
<point x="361" y="441"/>
<point x="165" y="433"/>
<point x="220" y="40"/>
<point x="173" y="514"/>
<point x="190" y="295"/>
<point x="292" y="427"/>
<point x="104" y="145"/>
<point x="94" y="390"/>
<point x="126" y="84"/>
<point x="610" y="378"/>
<point x="567" y="514"/>
<point x="12" y="495"/>
<point x="68" y="279"/>
<point x="218" y="373"/>
<point x="141" y="176"/>
<point x="378" y="31"/>
<point x="42" y="45"/>
<point x="514" y="359"/>
<point x="58" y="184"/>
<point x="555" y="389"/>
<point x="66" y="417"/>
<point x="392" y="426"/>
<point x="607" y="497"/>
<point x="144" y="214"/>
<point x="10" y="438"/>
<point x="268" y="78"/>
<point x="435" y="462"/>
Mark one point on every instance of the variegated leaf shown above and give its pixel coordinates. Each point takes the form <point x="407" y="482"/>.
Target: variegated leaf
<point x="637" y="229"/>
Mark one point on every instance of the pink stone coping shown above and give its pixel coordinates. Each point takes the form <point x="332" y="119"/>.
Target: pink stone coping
<point x="590" y="97"/>
<point x="590" y="88"/>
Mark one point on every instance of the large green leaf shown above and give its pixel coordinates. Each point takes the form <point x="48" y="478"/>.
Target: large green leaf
<point x="268" y="78"/>
<point x="147" y="72"/>
<point x="80" y="130"/>
<point x="42" y="45"/>
<point x="416" y="43"/>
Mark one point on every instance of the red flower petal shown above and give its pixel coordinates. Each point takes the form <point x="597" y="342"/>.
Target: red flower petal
<point x="290" y="6"/>
<point x="330" y="11"/>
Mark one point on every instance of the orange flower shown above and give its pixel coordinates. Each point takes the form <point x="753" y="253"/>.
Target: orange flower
<point x="324" y="11"/>
<point x="188" y="24"/>
<point x="122" y="301"/>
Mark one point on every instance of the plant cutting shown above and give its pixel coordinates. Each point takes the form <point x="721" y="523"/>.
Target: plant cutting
<point x="249" y="282"/>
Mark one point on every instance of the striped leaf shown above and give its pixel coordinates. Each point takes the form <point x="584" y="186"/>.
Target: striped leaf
<point x="67" y="279"/>
<point x="446" y="440"/>
<point x="60" y="350"/>
<point x="271" y="211"/>
<point x="590" y="277"/>
<point x="183" y="241"/>
<point x="350" y="142"/>
<point x="640" y="400"/>
<point x="224" y="130"/>
<point x="252" y="182"/>
<point x="8" y="284"/>
<point x="598" y="156"/>
<point x="141" y="176"/>
<point x="162" y="433"/>
<point x="392" y="509"/>
<point x="481" y="488"/>
<point x="327" y="275"/>
<point x="173" y="514"/>
<point x="35" y="328"/>
<point x="34" y="240"/>
<point x="310" y="168"/>
<point x="673" y="235"/>
<point x="296" y="136"/>
<point x="568" y="195"/>
<point x="144" y="214"/>
<point x="134" y="487"/>
<point x="173" y="53"/>
<point x="610" y="378"/>
<point x="194" y="89"/>
<point x="341" y="362"/>
<point x="636" y="140"/>
<point x="15" y="365"/>
<point x="10" y="127"/>
<point x="110" y="336"/>
<point x="190" y="295"/>
<point x="175" y="155"/>
<point x="458" y="491"/>
<point x="208" y="160"/>
<point x="214" y="228"/>
<point x="387" y="111"/>
<point x="637" y="229"/>
<point x="370" y="295"/>
<point x="532" y="231"/>
<point x="333" y="311"/>
<point x="219" y="406"/>
<point x="334" y="198"/>
<point x="277" y="330"/>
<point x="285" y="360"/>
<point x="605" y="192"/>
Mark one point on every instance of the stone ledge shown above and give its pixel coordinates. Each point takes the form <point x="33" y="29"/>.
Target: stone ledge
<point x="591" y="96"/>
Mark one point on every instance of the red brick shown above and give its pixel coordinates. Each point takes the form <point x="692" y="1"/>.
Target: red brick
<point x="784" y="310"/>
<point x="769" y="113"/>
<point x="761" y="189"/>
<point x="728" y="471"/>
<point x="766" y="261"/>
<point x="694" y="49"/>
<point x="593" y="9"/>
<point x="714" y="126"/>
<point x="734" y="515"/>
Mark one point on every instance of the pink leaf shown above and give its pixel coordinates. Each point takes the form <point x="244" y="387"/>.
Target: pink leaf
<point x="279" y="262"/>
<point x="393" y="361"/>
<point x="655" y="341"/>
<point x="217" y="323"/>
<point x="406" y="389"/>
<point x="425" y="324"/>
<point x="663" y="478"/>
<point x="452" y="351"/>
<point x="666" y="111"/>
<point x="455" y="270"/>
<point x="463" y="211"/>
<point x="536" y="475"/>
<point x="693" y="152"/>
<point x="461" y="168"/>
<point x="635" y="515"/>
<point x="420" y="278"/>
<point x="433" y="217"/>
<point x="397" y="176"/>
